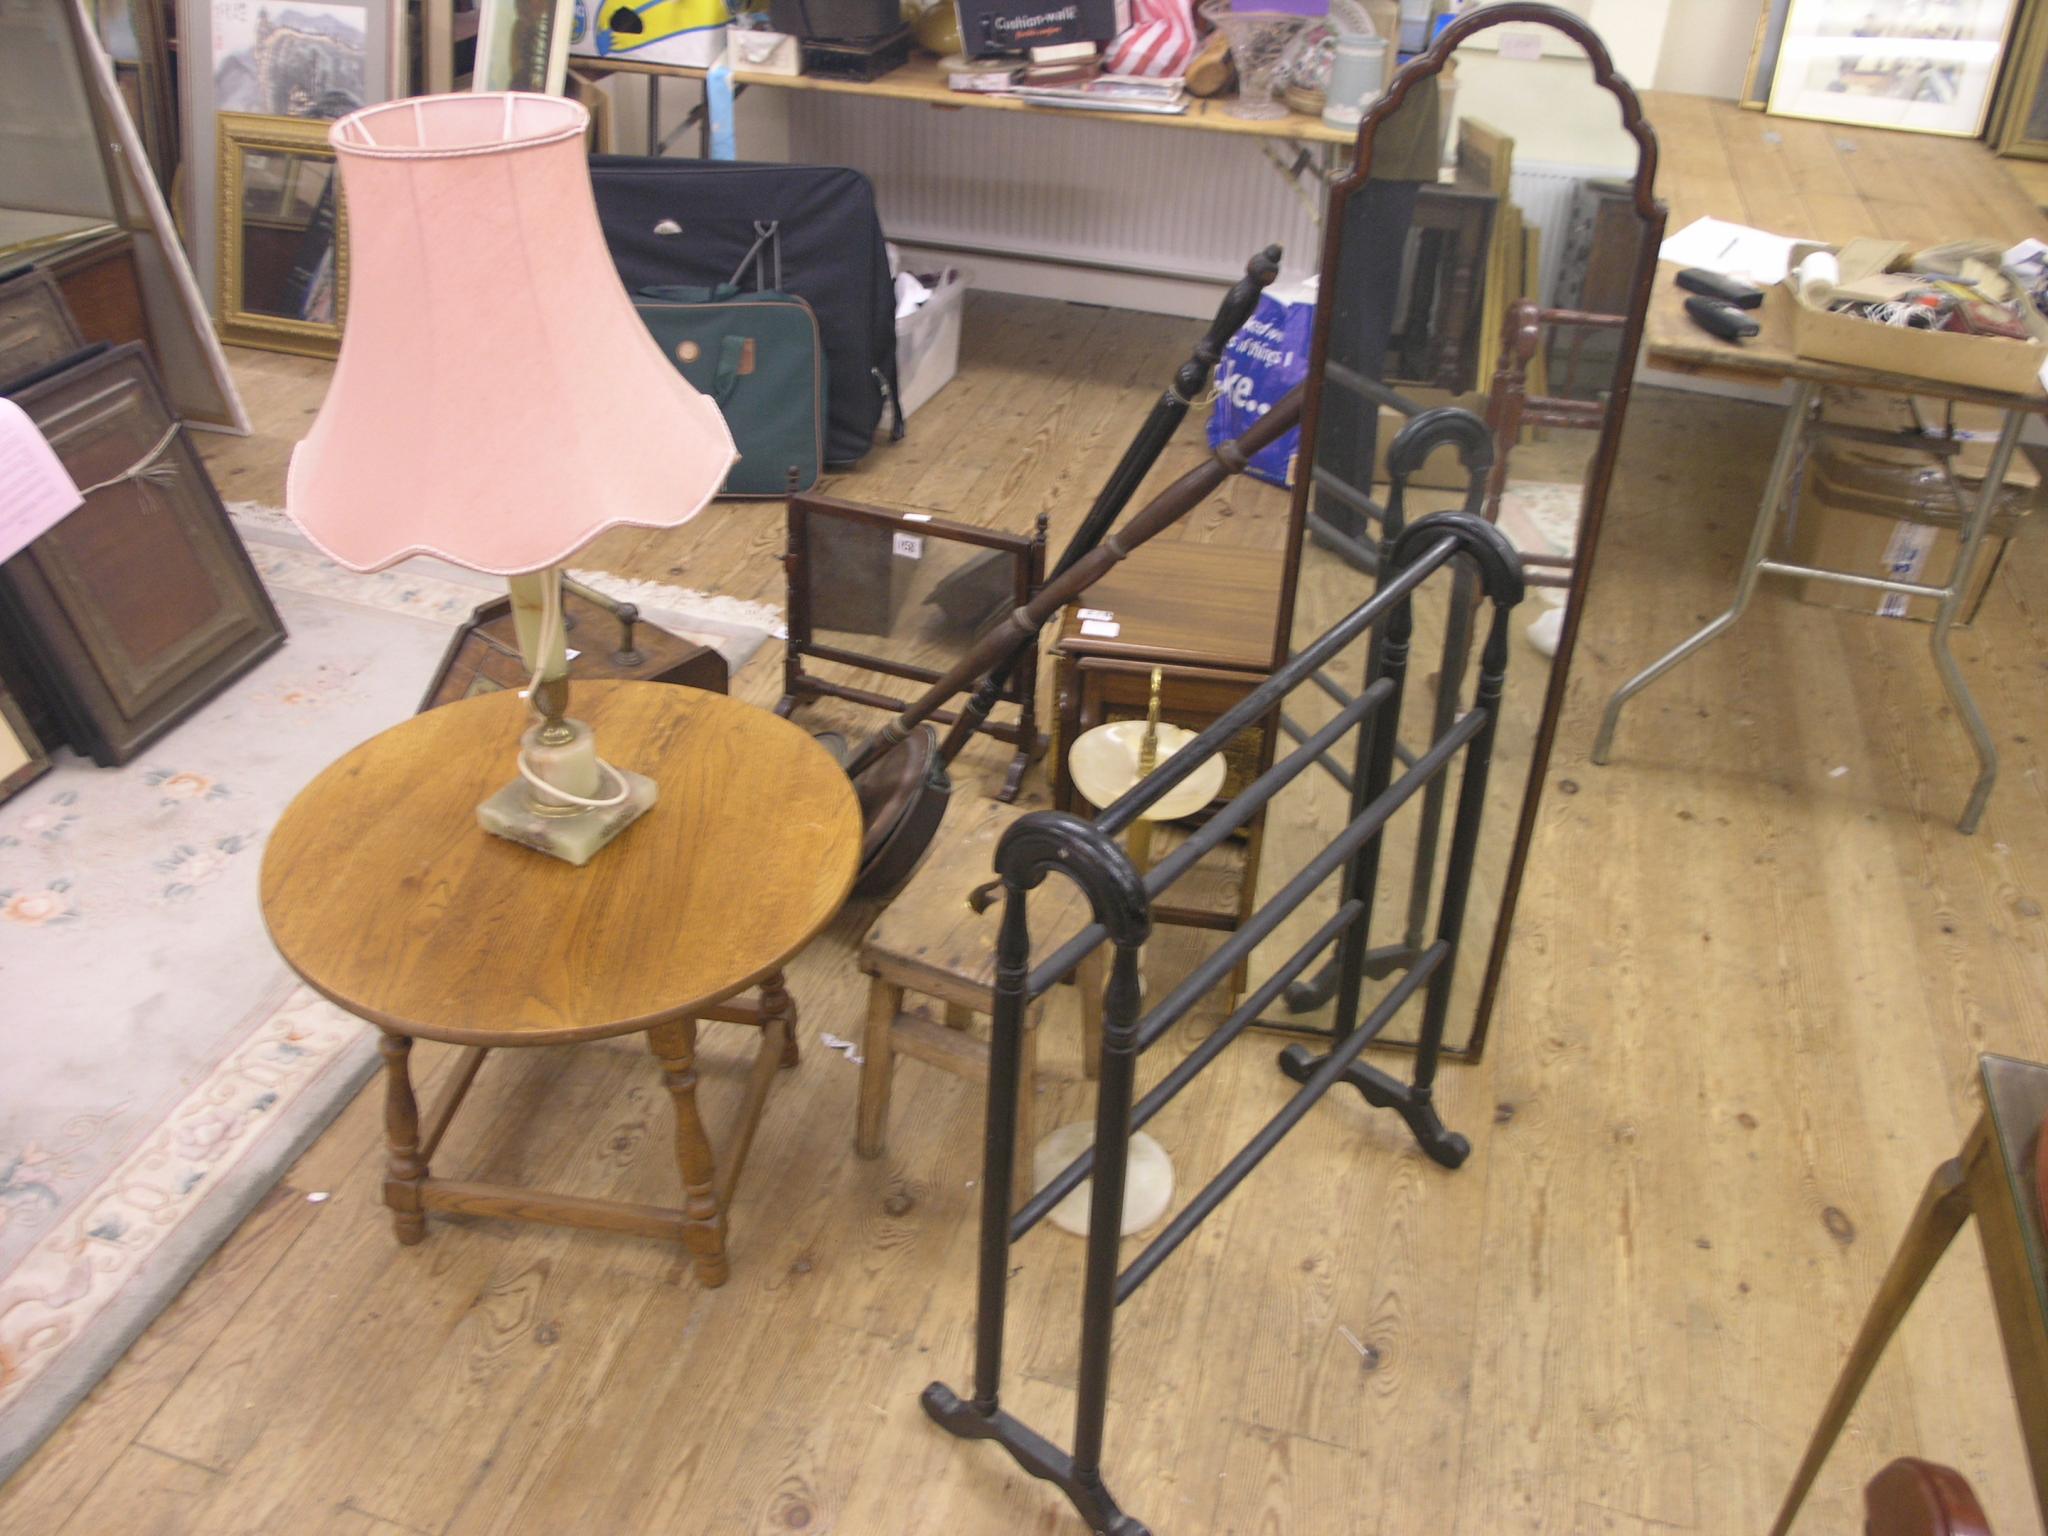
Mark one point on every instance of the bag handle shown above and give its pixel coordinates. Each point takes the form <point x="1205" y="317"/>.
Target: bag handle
<point x="680" y="293"/>
<point x="768" y="236"/>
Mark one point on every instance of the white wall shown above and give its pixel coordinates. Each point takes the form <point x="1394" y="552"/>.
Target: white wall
<point x="760" y="117"/>
<point x="1706" y="47"/>
<point x="1550" y="107"/>
<point x="1554" y="112"/>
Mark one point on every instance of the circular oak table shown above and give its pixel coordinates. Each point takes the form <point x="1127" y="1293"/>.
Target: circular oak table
<point x="383" y="893"/>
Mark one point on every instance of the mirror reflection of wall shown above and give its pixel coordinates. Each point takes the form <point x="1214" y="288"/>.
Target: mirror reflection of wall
<point x="288" y="237"/>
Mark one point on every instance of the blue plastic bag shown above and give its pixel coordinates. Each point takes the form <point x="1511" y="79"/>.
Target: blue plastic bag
<point x="1263" y="361"/>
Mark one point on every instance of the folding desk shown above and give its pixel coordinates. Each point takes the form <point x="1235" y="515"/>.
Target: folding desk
<point x="1673" y="342"/>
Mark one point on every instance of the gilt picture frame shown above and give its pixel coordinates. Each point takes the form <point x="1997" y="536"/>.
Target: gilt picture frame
<point x="213" y="35"/>
<point x="22" y="758"/>
<point x="283" y="236"/>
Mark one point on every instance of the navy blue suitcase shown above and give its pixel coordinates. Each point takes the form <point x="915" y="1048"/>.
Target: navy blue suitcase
<point x="808" y="230"/>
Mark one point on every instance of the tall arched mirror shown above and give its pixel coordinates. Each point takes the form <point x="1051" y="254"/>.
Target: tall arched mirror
<point x="1492" y="246"/>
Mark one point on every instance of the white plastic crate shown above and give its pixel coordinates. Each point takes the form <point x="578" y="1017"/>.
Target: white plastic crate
<point x="928" y="341"/>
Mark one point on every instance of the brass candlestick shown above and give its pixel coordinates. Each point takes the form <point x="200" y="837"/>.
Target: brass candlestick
<point x="1139" y="839"/>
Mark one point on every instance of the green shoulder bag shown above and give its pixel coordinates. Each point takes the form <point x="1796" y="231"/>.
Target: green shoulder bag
<point x="759" y="356"/>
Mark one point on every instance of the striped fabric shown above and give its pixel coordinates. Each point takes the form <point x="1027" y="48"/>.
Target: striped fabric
<point x="1158" y="43"/>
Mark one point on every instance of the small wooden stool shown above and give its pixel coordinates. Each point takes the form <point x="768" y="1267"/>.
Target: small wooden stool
<point x="931" y="941"/>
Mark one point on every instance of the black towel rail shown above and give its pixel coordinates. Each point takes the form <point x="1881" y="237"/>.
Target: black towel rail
<point x="1472" y="554"/>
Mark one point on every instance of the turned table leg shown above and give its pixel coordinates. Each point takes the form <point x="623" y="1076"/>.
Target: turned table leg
<point x="407" y="1170"/>
<point x="775" y="999"/>
<point x="675" y="1043"/>
<point x="1944" y="1207"/>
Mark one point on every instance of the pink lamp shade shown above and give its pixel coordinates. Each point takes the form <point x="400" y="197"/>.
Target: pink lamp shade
<point x="497" y="402"/>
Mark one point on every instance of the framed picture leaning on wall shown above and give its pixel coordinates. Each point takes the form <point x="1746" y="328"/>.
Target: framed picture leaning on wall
<point x="2019" y="120"/>
<point x="275" y="58"/>
<point x="283" y="280"/>
<point x="1763" y="53"/>
<point x="22" y="758"/>
<point x="523" y="45"/>
<point x="132" y="32"/>
<point x="1927" y="66"/>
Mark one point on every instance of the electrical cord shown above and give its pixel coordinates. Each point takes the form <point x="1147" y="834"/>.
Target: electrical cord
<point x="551" y="634"/>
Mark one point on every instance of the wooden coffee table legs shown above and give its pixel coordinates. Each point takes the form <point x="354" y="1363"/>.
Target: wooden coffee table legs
<point x="708" y="1182"/>
<point x="408" y="1170"/>
<point x="703" y="1220"/>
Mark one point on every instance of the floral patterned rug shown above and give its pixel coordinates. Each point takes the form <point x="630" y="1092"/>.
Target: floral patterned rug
<point x="161" y="1065"/>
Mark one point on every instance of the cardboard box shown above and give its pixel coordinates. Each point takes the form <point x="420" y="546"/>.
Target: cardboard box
<point x="990" y="27"/>
<point x="1850" y="518"/>
<point x="1985" y="362"/>
<point x="667" y="32"/>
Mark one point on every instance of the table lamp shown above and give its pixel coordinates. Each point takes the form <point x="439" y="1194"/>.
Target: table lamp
<point x="498" y="404"/>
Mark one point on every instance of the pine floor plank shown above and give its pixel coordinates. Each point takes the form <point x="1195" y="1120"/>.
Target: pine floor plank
<point x="1739" y="1025"/>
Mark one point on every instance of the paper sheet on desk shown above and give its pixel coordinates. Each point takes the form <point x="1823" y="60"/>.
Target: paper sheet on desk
<point x="1734" y="250"/>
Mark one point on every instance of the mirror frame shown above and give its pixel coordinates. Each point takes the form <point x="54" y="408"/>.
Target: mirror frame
<point x="242" y="134"/>
<point x="1650" y="212"/>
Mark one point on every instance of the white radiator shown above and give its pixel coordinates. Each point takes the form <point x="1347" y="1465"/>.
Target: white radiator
<point x="1545" y="193"/>
<point x="1135" y="198"/>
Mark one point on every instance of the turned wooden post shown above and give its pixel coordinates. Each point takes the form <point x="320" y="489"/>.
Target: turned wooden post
<point x="675" y="1043"/>
<point x="407" y="1170"/>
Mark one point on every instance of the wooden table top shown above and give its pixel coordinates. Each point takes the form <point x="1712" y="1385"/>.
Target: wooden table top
<point x="1674" y="343"/>
<point x="383" y="893"/>
<point x="1176" y="601"/>
<point x="921" y="79"/>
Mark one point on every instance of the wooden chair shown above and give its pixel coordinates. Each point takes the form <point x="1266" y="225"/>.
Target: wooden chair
<point x="1510" y="407"/>
<point x="930" y="941"/>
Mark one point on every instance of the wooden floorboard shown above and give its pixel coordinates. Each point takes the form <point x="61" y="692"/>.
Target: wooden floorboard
<point x="1753" y="968"/>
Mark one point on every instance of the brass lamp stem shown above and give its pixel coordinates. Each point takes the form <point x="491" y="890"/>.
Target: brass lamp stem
<point x="550" y="697"/>
<point x="567" y="801"/>
<point x="1148" y="747"/>
<point x="1139" y="839"/>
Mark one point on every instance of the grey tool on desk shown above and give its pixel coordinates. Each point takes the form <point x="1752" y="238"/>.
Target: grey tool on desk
<point x="1719" y="318"/>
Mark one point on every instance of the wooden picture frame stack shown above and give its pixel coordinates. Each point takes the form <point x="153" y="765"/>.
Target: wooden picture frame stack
<point x="141" y="604"/>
